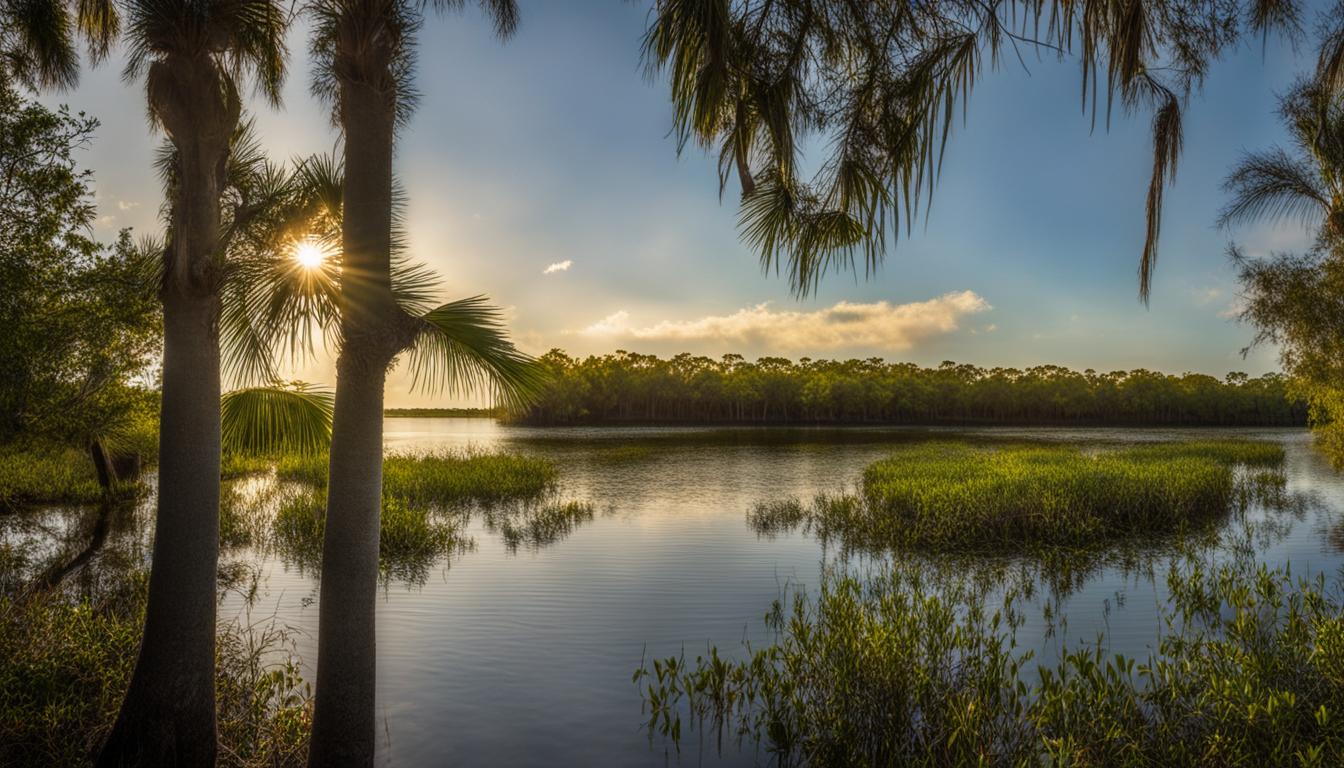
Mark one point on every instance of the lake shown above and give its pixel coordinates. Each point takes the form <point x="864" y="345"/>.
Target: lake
<point x="524" y="657"/>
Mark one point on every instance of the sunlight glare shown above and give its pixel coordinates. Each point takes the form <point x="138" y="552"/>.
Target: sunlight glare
<point x="309" y="254"/>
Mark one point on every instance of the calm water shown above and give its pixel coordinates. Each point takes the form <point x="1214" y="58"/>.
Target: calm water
<point x="525" y="658"/>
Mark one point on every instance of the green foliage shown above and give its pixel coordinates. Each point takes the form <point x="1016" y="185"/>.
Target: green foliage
<point x="49" y="474"/>
<point x="1297" y="301"/>
<point x="81" y="324"/>
<point x="276" y="420"/>
<point x="627" y="387"/>
<point x="451" y="413"/>
<point x="68" y="662"/>
<point x="893" y="673"/>
<point x="444" y="479"/>
<point x="957" y="496"/>
<point x="903" y="671"/>
<point x="450" y="478"/>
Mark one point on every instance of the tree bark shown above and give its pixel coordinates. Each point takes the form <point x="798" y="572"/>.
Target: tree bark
<point x="344" y="720"/>
<point x="373" y="330"/>
<point x="168" y="715"/>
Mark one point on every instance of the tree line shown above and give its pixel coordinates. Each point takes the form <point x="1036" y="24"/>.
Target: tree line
<point x="629" y="387"/>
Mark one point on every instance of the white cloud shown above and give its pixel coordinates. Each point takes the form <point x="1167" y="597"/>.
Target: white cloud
<point x="878" y="325"/>
<point x="126" y="205"/>
<point x="559" y="266"/>
<point x="1203" y="296"/>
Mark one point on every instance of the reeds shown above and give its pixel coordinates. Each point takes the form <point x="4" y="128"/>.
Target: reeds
<point x="1249" y="670"/>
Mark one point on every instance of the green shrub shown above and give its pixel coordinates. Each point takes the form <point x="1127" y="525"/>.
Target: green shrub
<point x="68" y="662"/>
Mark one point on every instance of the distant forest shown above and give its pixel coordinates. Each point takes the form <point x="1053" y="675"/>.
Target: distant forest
<point x="632" y="388"/>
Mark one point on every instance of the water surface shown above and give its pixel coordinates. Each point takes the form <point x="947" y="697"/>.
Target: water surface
<point x="525" y="657"/>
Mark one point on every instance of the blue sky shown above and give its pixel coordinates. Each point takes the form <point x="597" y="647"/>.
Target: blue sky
<point x="553" y="147"/>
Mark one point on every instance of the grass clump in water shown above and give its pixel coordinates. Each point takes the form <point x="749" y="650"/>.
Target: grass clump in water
<point x="47" y="475"/>
<point x="445" y="478"/>
<point x="411" y="538"/>
<point x="959" y="496"/>
<point x="897" y="671"/>
<point x="540" y="526"/>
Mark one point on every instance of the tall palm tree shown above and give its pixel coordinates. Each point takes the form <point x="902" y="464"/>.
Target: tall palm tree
<point x="38" y="39"/>
<point x="364" y="52"/>
<point x="192" y="55"/>
<point x="1297" y="300"/>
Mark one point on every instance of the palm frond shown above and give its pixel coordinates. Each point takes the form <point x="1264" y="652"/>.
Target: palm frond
<point x="463" y="348"/>
<point x="276" y="419"/>
<point x="1273" y="185"/>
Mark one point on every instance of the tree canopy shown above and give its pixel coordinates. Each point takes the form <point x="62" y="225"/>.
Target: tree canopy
<point x="81" y="328"/>
<point x="632" y="387"/>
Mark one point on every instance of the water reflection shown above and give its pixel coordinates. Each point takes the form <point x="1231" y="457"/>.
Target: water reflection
<point x="525" y="644"/>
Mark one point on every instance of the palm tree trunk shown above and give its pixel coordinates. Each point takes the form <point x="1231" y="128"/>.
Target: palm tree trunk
<point x="344" y="723"/>
<point x="373" y="329"/>
<point x="168" y="715"/>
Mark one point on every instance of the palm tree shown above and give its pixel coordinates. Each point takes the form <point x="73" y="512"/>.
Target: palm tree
<point x="1304" y="183"/>
<point x="1297" y="301"/>
<point x="37" y="39"/>
<point x="364" y="50"/>
<point x="883" y="84"/>
<point x="192" y="56"/>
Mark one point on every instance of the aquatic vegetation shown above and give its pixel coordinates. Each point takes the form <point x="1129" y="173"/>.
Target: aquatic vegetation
<point x="775" y="516"/>
<point x="541" y="525"/>
<point x="624" y="453"/>
<point x="1248" y="671"/>
<point x="411" y="537"/>
<point x="892" y="673"/>
<point x="960" y="496"/>
<point x="448" y="478"/>
<point x="444" y="478"/>
<point x="68" y="661"/>
<point x="47" y="475"/>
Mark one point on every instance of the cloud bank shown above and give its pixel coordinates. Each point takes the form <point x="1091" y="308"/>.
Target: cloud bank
<point x="877" y="325"/>
<point x="559" y="266"/>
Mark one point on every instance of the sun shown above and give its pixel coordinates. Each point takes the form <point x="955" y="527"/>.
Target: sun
<point x="309" y="254"/>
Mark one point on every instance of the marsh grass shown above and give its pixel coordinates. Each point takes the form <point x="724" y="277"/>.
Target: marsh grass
<point x="949" y="497"/>
<point x="443" y="478"/>
<point x="32" y="475"/>
<point x="412" y="538"/>
<point x="901" y="670"/>
<point x="537" y="526"/>
<point x="68" y="660"/>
